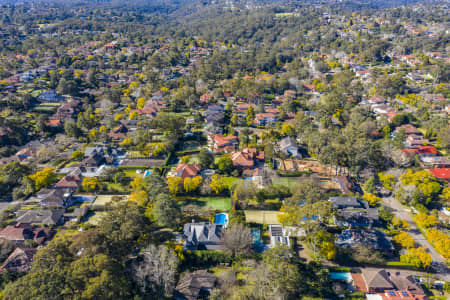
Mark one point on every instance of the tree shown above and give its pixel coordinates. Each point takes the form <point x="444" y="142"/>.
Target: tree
<point x="192" y="184"/>
<point x="306" y="190"/>
<point x="206" y="158"/>
<point x="387" y="181"/>
<point x="277" y="277"/>
<point x="140" y="103"/>
<point x="44" y="178"/>
<point x="166" y="211"/>
<point x="121" y="229"/>
<point x="322" y="244"/>
<point x="140" y="197"/>
<point x="369" y="186"/>
<point x="250" y="116"/>
<point x="155" y="270"/>
<point x="218" y="184"/>
<point x="225" y="164"/>
<point x="77" y="155"/>
<point x="238" y="239"/>
<point x="397" y="222"/>
<point x="174" y="184"/>
<point x="426" y="221"/>
<point x="419" y="257"/>
<point x="372" y="199"/>
<point x="440" y="241"/>
<point x="185" y="159"/>
<point x="405" y="240"/>
<point x="91" y="184"/>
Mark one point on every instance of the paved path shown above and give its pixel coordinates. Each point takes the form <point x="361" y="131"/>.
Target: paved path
<point x="404" y="213"/>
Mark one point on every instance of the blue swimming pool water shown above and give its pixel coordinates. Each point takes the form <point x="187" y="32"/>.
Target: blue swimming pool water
<point x="340" y="275"/>
<point x="148" y="172"/>
<point x="221" y="219"/>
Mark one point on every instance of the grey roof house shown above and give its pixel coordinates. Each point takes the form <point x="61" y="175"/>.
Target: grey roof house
<point x="373" y="239"/>
<point x="347" y="202"/>
<point x="203" y="236"/>
<point x="195" y="285"/>
<point x="289" y="147"/>
<point x="41" y="216"/>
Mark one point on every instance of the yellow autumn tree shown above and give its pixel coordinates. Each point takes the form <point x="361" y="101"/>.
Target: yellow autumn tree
<point x="372" y="199"/>
<point x="399" y="223"/>
<point x="418" y="257"/>
<point x="217" y="184"/>
<point x="426" y="221"/>
<point x="140" y="103"/>
<point x="140" y="197"/>
<point x="440" y="241"/>
<point x="405" y="240"/>
<point x="91" y="184"/>
<point x="192" y="184"/>
<point x="43" y="178"/>
<point x="174" y="184"/>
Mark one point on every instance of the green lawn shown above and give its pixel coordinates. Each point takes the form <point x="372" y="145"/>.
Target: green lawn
<point x="218" y="203"/>
<point x="286" y="181"/>
<point x="94" y="218"/>
<point x="261" y="216"/>
<point x="131" y="171"/>
<point x="104" y="199"/>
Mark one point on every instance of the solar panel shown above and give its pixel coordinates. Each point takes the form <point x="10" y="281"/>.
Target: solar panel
<point x="405" y="294"/>
<point x="392" y="294"/>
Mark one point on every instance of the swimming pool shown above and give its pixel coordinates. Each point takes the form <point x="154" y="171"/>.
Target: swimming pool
<point x="341" y="276"/>
<point x="221" y="219"/>
<point x="147" y="173"/>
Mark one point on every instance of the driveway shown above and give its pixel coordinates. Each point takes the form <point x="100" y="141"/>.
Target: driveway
<point x="404" y="213"/>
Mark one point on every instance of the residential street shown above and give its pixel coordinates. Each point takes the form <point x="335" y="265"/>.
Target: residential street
<point x="400" y="211"/>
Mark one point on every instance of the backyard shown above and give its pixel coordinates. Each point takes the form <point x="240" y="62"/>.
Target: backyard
<point x="218" y="203"/>
<point x="262" y="216"/>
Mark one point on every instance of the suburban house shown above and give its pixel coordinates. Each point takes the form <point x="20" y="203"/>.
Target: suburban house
<point x="347" y="203"/>
<point x="368" y="238"/>
<point x="203" y="236"/>
<point x="223" y="144"/>
<point x="357" y="218"/>
<point x="17" y="233"/>
<point x="277" y="236"/>
<point x="55" y="197"/>
<point x="195" y="285"/>
<point x="50" y="96"/>
<point x="441" y="173"/>
<point x="214" y="114"/>
<point x="288" y="146"/>
<point x="186" y="170"/>
<point x="265" y="119"/>
<point x="381" y="284"/>
<point x="19" y="261"/>
<point x="409" y="129"/>
<point x="69" y="182"/>
<point x="247" y="158"/>
<point x="118" y="134"/>
<point x="415" y="140"/>
<point x="50" y="217"/>
<point x="346" y="186"/>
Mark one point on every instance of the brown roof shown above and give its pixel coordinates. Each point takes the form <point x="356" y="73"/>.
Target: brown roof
<point x="376" y="279"/>
<point x="185" y="170"/>
<point x="19" y="261"/>
<point x="69" y="181"/>
<point x="18" y="232"/>
<point x="191" y="285"/>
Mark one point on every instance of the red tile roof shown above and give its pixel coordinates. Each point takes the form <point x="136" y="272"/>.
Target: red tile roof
<point x="427" y="150"/>
<point x="441" y="173"/>
<point x="184" y="170"/>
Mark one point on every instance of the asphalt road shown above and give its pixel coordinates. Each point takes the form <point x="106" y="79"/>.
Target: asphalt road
<point x="404" y="213"/>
